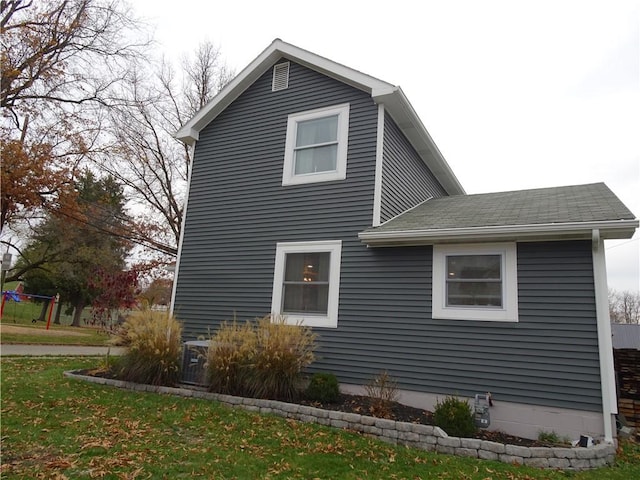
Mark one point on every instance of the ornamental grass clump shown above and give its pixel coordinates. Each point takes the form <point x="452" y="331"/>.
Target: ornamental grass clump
<point x="455" y="417"/>
<point x="261" y="359"/>
<point x="154" y="346"/>
<point x="229" y="358"/>
<point x="283" y="351"/>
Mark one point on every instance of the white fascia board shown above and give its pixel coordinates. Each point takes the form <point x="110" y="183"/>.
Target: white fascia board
<point x="408" y="121"/>
<point x="278" y="49"/>
<point x="340" y="72"/>
<point x="617" y="229"/>
<point x="188" y="135"/>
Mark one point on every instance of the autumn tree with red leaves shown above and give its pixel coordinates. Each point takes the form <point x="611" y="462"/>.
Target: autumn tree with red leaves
<point x="116" y="290"/>
<point x="61" y="65"/>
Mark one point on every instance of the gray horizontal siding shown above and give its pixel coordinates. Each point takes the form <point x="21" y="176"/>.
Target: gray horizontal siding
<point x="238" y="210"/>
<point x="406" y="180"/>
<point x="550" y="357"/>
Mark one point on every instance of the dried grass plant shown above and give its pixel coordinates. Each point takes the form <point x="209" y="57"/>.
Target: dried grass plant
<point x="231" y="352"/>
<point x="283" y="351"/>
<point x="154" y="347"/>
<point x="383" y="390"/>
<point x="261" y="359"/>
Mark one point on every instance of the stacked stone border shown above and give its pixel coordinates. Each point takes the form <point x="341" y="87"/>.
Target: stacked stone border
<point x="423" y="437"/>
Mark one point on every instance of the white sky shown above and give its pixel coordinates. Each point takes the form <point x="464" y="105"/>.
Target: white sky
<point x="516" y="94"/>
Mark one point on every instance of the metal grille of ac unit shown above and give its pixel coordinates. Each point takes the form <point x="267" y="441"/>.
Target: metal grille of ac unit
<point x="280" y="77"/>
<point x="194" y="357"/>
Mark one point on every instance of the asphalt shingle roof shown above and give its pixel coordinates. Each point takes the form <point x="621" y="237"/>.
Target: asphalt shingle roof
<point x="578" y="203"/>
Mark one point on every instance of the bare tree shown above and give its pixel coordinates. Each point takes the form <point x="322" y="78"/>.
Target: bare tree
<point x="624" y="307"/>
<point x="145" y="156"/>
<point x="63" y="51"/>
<point x="75" y="86"/>
<point x="205" y="75"/>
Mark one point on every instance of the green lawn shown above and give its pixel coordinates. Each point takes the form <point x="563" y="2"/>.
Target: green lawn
<point x="53" y="427"/>
<point x="21" y="314"/>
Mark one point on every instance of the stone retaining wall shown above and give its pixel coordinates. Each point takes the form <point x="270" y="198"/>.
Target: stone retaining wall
<point x="424" y="437"/>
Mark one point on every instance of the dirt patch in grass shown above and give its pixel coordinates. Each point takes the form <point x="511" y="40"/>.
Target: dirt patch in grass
<point x="40" y="331"/>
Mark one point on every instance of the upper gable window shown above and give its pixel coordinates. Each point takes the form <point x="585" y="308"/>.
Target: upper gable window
<point x="475" y="282"/>
<point x="316" y="146"/>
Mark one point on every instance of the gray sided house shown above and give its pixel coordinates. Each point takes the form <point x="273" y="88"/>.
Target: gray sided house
<point x="316" y="193"/>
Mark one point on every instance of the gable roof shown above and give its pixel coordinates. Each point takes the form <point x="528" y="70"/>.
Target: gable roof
<point x="394" y="100"/>
<point x="558" y="212"/>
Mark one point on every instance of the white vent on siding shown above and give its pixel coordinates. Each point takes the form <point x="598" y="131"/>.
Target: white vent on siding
<point x="280" y="77"/>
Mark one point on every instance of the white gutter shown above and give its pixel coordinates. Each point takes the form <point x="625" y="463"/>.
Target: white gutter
<point x="605" y="347"/>
<point x="609" y="229"/>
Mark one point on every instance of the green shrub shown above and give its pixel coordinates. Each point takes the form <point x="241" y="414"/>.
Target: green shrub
<point x="261" y="359"/>
<point x="231" y="353"/>
<point x="154" y="346"/>
<point x="323" y="388"/>
<point x="455" y="417"/>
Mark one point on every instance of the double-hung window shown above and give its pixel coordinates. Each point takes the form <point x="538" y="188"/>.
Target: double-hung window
<point x="475" y="282"/>
<point x="307" y="282"/>
<point x="316" y="146"/>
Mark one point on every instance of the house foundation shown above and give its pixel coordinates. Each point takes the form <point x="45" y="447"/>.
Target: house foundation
<point x="518" y="419"/>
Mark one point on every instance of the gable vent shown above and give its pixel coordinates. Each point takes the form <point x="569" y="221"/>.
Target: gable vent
<point x="280" y="77"/>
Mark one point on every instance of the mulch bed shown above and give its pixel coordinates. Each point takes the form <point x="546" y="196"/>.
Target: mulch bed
<point x="404" y="413"/>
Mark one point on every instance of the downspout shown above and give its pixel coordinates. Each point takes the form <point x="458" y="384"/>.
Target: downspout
<point x="605" y="347"/>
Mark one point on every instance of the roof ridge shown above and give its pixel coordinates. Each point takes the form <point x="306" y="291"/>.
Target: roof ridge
<point x="536" y="189"/>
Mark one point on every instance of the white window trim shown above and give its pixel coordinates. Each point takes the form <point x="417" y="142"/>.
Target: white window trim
<point x="340" y="173"/>
<point x="509" y="310"/>
<point x="334" y="247"/>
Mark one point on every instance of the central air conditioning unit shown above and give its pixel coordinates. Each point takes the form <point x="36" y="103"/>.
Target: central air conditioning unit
<point x="194" y="358"/>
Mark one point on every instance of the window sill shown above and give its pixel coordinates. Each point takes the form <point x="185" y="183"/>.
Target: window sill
<point x="318" y="321"/>
<point x="475" y="315"/>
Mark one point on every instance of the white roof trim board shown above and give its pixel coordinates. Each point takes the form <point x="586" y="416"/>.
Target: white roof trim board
<point x="617" y="229"/>
<point x="396" y="103"/>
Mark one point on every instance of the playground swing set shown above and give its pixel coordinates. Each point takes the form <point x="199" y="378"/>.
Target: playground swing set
<point x="17" y="297"/>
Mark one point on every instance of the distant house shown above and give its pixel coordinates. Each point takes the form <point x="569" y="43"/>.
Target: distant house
<point x="317" y="193"/>
<point x="625" y="336"/>
<point x="626" y="356"/>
